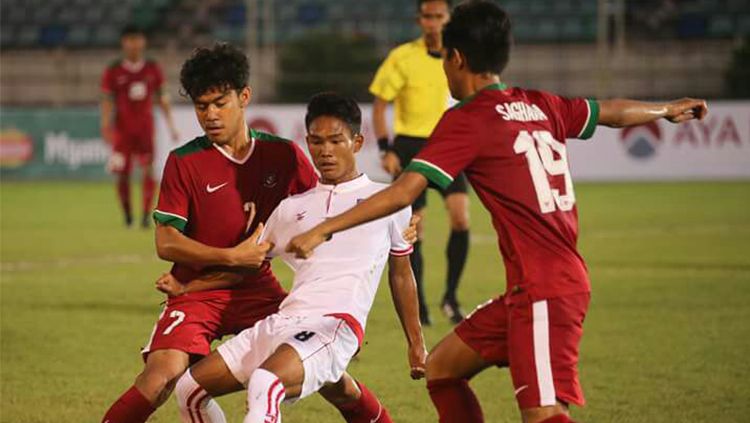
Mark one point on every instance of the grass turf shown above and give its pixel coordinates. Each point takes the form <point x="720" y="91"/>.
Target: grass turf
<point x="666" y="338"/>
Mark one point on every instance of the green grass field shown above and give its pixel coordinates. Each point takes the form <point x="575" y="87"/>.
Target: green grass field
<point x="666" y="339"/>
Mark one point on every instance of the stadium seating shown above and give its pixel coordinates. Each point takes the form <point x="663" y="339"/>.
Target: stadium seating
<point x="92" y="23"/>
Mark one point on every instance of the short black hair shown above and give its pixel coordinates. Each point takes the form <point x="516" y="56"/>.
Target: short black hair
<point x="131" y="29"/>
<point x="335" y="105"/>
<point x="222" y="66"/>
<point x="481" y="31"/>
<point x="420" y="2"/>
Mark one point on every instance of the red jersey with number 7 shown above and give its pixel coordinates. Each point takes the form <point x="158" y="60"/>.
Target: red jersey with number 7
<point x="511" y="143"/>
<point x="206" y="194"/>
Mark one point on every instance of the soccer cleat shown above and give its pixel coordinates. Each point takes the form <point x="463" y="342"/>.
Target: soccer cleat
<point x="452" y="311"/>
<point x="128" y="221"/>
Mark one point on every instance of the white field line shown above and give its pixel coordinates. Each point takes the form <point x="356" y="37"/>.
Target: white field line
<point x="64" y="263"/>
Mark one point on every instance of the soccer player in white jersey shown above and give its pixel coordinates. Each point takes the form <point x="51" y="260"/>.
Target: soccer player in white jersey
<point x="319" y="327"/>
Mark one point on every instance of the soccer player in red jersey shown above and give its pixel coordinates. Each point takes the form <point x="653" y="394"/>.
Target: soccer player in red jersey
<point x="210" y="188"/>
<point x="511" y="143"/>
<point x="129" y="86"/>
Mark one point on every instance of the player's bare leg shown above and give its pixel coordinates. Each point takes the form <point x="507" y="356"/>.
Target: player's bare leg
<point x="450" y="365"/>
<point x="151" y="388"/>
<point x="163" y="368"/>
<point x="557" y="413"/>
<point x="355" y="402"/>
<point x="417" y="266"/>
<point x="457" y="204"/>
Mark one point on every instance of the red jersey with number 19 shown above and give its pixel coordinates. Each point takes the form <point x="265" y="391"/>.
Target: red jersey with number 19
<point x="510" y="142"/>
<point x="206" y="194"/>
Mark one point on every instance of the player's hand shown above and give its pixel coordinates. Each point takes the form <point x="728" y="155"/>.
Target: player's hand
<point x="391" y="163"/>
<point x="417" y="360"/>
<point x="410" y="234"/>
<point x="303" y="245"/>
<point x="169" y="285"/>
<point x="250" y="253"/>
<point x="686" y="109"/>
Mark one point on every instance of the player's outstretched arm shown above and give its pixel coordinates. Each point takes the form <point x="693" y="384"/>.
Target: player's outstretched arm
<point x="404" y="294"/>
<point x="400" y="194"/>
<point x="619" y="113"/>
<point x="169" y="285"/>
<point x="172" y="245"/>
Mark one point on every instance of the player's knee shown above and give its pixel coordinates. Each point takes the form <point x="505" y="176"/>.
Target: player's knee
<point x="342" y="392"/>
<point x="437" y="366"/>
<point x="155" y="385"/>
<point x="460" y="222"/>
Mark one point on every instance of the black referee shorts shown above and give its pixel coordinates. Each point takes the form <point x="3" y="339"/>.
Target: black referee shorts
<point x="406" y="148"/>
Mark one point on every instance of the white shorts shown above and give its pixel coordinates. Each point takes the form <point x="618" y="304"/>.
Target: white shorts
<point x="325" y="344"/>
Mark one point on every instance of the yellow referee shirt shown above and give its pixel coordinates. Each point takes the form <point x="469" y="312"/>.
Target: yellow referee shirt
<point x="415" y="82"/>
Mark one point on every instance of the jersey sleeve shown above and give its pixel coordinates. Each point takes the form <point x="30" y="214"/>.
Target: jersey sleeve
<point x="305" y="177"/>
<point x="399" y="224"/>
<point x="273" y="232"/>
<point x="452" y="147"/>
<point x="578" y="117"/>
<point x="174" y="196"/>
<point x="389" y="79"/>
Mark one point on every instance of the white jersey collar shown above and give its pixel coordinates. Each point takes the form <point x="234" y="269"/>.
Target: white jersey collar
<point x="242" y="160"/>
<point x="355" y="184"/>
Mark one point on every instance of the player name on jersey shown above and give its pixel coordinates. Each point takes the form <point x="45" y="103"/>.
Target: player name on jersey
<point x="520" y="112"/>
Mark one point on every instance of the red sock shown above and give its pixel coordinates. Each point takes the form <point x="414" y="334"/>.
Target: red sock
<point x="149" y="185"/>
<point x="131" y="407"/>
<point x="123" y="193"/>
<point x="455" y="401"/>
<point x="560" y="418"/>
<point x="367" y="409"/>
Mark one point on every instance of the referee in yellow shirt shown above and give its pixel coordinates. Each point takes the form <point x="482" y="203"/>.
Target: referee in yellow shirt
<point x="412" y="78"/>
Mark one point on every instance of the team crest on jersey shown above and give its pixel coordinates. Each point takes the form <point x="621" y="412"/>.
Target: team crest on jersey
<point x="270" y="180"/>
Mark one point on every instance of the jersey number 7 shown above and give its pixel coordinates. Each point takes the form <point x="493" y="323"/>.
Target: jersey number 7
<point x="538" y="146"/>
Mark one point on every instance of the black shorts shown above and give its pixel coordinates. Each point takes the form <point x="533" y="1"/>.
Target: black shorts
<point x="406" y="148"/>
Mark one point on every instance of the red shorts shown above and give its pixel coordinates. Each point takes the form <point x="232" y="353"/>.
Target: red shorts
<point x="191" y="323"/>
<point x="538" y="341"/>
<point x="128" y="148"/>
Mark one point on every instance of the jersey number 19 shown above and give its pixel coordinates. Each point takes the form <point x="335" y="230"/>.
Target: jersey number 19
<point x="538" y="146"/>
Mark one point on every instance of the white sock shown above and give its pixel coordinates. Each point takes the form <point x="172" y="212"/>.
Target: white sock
<point x="264" y="395"/>
<point x="195" y="403"/>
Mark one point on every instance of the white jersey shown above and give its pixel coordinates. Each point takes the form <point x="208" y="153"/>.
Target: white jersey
<point x="343" y="274"/>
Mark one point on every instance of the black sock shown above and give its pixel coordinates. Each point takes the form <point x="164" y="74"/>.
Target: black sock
<point x="416" y="267"/>
<point x="457" y="250"/>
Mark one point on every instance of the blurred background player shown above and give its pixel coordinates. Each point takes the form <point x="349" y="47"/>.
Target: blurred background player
<point x="412" y="78"/>
<point x="129" y="86"/>
<point x="512" y="144"/>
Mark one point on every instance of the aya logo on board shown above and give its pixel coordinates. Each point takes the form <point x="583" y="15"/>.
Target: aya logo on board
<point x="642" y="141"/>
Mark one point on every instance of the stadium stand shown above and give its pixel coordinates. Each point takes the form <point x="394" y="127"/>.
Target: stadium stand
<point x="557" y="40"/>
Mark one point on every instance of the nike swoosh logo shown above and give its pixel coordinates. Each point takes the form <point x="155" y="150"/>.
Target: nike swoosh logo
<point x="518" y="391"/>
<point x="211" y="189"/>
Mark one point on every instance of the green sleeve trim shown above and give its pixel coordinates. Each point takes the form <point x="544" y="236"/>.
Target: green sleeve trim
<point x="178" y="222"/>
<point x="590" y="127"/>
<point x="433" y="173"/>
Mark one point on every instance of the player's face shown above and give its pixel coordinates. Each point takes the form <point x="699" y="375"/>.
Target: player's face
<point x="221" y="113"/>
<point x="433" y="15"/>
<point x="133" y="46"/>
<point x="332" y="147"/>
